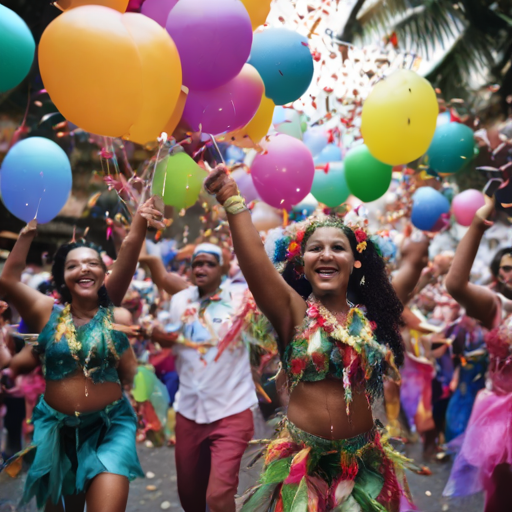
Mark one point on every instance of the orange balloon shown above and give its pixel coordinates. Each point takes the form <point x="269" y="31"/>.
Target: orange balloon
<point x="118" y="5"/>
<point x="161" y="76"/>
<point x="91" y="68"/>
<point x="175" y="118"/>
<point x="258" y="11"/>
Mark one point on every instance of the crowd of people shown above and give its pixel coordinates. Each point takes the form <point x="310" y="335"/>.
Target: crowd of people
<point x="313" y="323"/>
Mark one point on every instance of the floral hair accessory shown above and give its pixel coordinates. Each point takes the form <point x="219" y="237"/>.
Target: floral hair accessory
<point x="361" y="238"/>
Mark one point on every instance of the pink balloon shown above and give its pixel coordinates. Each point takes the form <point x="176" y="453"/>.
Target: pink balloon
<point x="158" y="10"/>
<point x="213" y="38"/>
<point x="283" y="173"/>
<point x="228" y="107"/>
<point x="466" y="204"/>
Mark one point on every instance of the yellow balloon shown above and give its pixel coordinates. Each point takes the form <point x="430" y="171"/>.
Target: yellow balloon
<point x="175" y="118"/>
<point x="399" y="118"/>
<point x="258" y="11"/>
<point x="91" y="68"/>
<point x="118" y="5"/>
<point x="161" y="76"/>
<point x="255" y="129"/>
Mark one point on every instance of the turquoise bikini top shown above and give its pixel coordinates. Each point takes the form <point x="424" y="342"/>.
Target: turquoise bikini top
<point x="95" y="348"/>
<point x="323" y="348"/>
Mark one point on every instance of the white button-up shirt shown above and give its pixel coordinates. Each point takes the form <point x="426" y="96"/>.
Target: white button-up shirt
<point x="210" y="390"/>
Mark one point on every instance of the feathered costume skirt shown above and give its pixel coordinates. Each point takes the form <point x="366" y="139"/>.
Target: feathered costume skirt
<point x="67" y="452"/>
<point x="306" y="473"/>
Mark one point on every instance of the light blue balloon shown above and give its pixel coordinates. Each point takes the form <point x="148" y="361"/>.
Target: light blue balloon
<point x="330" y="188"/>
<point x="35" y="178"/>
<point x="307" y="206"/>
<point x="315" y="140"/>
<point x="427" y="207"/>
<point x="234" y="154"/>
<point x="331" y="153"/>
<point x="283" y="59"/>
<point x="279" y="115"/>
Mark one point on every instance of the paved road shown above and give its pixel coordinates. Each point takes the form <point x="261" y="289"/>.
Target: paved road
<point x="159" y="491"/>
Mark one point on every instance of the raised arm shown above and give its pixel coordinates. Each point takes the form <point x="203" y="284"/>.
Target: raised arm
<point x="479" y="302"/>
<point x="34" y="307"/>
<point x="126" y="262"/>
<point x="414" y="260"/>
<point x="169" y="281"/>
<point x="282" y="305"/>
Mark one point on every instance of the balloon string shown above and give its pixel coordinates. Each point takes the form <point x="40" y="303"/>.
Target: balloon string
<point x="217" y="148"/>
<point x="37" y="210"/>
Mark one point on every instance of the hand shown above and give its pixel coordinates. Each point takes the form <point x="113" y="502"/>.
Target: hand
<point x="152" y="211"/>
<point x="484" y="214"/>
<point x="220" y="184"/>
<point x="30" y="229"/>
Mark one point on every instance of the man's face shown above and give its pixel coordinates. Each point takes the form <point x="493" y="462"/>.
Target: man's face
<point x="505" y="272"/>
<point x="206" y="272"/>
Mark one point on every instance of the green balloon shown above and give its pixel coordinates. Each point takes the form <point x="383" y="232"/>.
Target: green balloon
<point x="367" y="178"/>
<point x="17" y="47"/>
<point x="331" y="187"/>
<point x="143" y="384"/>
<point x="178" y="179"/>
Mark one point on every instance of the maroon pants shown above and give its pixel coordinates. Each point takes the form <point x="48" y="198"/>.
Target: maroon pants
<point x="208" y="460"/>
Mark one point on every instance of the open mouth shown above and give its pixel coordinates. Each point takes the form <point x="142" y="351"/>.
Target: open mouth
<point x="326" y="272"/>
<point x="85" y="282"/>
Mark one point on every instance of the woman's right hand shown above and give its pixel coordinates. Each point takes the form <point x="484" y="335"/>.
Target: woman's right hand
<point x="220" y="184"/>
<point x="485" y="213"/>
<point x="30" y="229"/>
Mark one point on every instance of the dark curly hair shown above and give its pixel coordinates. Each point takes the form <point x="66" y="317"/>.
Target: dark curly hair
<point x="496" y="261"/>
<point x="59" y="261"/>
<point x="374" y="292"/>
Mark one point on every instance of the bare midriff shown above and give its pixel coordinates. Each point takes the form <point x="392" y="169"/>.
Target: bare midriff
<point x="319" y="408"/>
<point x="77" y="393"/>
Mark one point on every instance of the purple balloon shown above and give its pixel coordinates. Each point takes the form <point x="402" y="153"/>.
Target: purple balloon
<point x="284" y="172"/>
<point x="227" y="107"/>
<point x="158" y="10"/>
<point x="245" y="185"/>
<point x="213" y="38"/>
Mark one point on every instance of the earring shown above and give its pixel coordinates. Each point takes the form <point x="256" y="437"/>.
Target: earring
<point x="363" y="281"/>
<point x="357" y="264"/>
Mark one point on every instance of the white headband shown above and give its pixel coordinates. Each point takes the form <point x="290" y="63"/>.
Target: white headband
<point x="212" y="249"/>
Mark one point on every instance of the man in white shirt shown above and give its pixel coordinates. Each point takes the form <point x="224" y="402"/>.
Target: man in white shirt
<point x="214" y="421"/>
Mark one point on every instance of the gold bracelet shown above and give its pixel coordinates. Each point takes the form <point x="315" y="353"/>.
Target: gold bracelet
<point x="235" y="204"/>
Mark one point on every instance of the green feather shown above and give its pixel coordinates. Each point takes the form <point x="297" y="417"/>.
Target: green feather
<point x="277" y="471"/>
<point x="260" y="499"/>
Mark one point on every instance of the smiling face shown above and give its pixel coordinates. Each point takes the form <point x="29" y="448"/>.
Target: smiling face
<point x="206" y="272"/>
<point x="84" y="273"/>
<point x="328" y="261"/>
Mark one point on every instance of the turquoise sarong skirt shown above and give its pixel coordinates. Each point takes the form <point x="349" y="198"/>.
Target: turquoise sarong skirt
<point x="67" y="452"/>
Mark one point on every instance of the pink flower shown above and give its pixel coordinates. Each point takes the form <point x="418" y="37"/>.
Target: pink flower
<point x="360" y="236"/>
<point x="300" y="236"/>
<point x="312" y="311"/>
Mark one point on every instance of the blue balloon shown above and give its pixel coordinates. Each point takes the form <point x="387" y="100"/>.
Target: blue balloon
<point x="279" y="115"/>
<point x="427" y="207"/>
<point x="284" y="62"/>
<point x="234" y="154"/>
<point x="331" y="153"/>
<point x="35" y="178"/>
<point x="330" y="187"/>
<point x="315" y="140"/>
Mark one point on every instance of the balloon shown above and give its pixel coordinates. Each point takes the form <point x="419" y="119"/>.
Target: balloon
<point x="315" y="139"/>
<point x="35" y="179"/>
<point x="331" y="153"/>
<point x="427" y="207"/>
<point x="158" y="10"/>
<point x="117" y="5"/>
<point x="264" y="217"/>
<point x="452" y="147"/>
<point x="245" y="185"/>
<point x="367" y="178"/>
<point x="178" y="179"/>
<point x="399" y="118"/>
<point x="466" y="204"/>
<point x="213" y="38"/>
<point x="279" y="115"/>
<point x="228" y="107"/>
<point x="443" y="118"/>
<point x="291" y="124"/>
<point x="17" y="49"/>
<point x="161" y="77"/>
<point x="234" y="155"/>
<point x="143" y="384"/>
<point x="307" y="206"/>
<point x="255" y="130"/>
<point x="283" y="59"/>
<point x="283" y="173"/>
<point x="138" y="80"/>
<point x="175" y="118"/>
<point x="330" y="188"/>
<point x="258" y="11"/>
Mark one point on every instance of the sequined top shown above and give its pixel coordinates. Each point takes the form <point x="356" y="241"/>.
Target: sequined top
<point x="323" y="348"/>
<point x="94" y="348"/>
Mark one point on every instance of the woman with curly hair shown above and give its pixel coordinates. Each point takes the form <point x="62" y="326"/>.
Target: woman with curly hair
<point x="329" y="453"/>
<point x="83" y="446"/>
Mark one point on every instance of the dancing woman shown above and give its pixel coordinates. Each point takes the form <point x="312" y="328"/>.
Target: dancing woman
<point x="486" y="465"/>
<point x="329" y="455"/>
<point x="84" y="429"/>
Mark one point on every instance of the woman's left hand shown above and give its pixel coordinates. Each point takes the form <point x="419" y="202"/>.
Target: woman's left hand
<point x="151" y="211"/>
